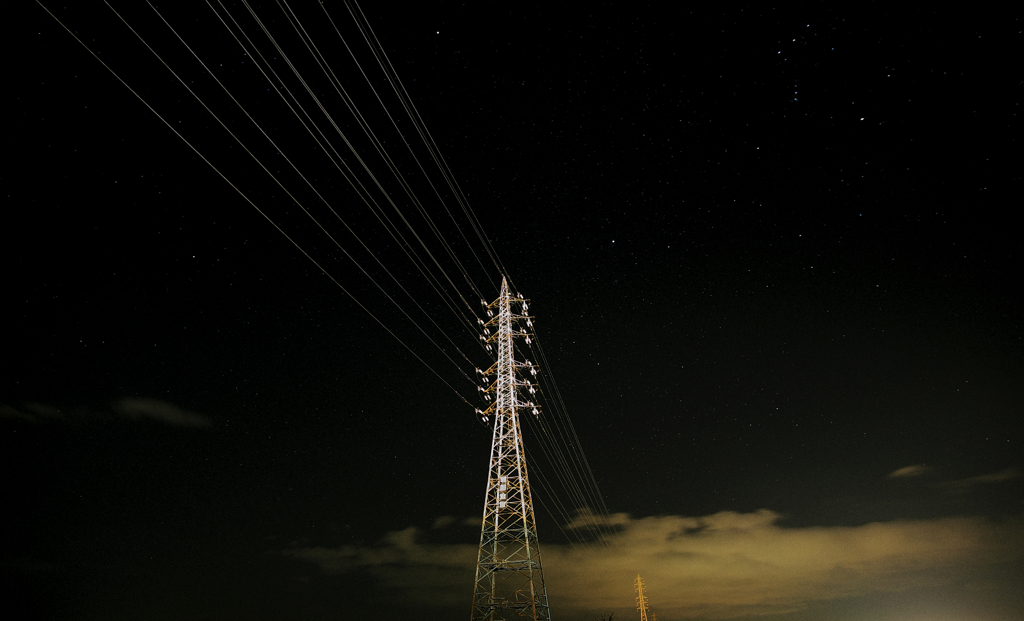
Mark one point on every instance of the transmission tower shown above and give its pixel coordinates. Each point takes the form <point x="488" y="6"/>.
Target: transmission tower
<point x="642" y="604"/>
<point x="509" y="577"/>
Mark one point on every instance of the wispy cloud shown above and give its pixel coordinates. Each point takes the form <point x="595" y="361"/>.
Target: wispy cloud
<point x="131" y="408"/>
<point x="32" y="412"/>
<point x="160" y="411"/>
<point x="718" y="566"/>
<point x="962" y="485"/>
<point x="915" y="470"/>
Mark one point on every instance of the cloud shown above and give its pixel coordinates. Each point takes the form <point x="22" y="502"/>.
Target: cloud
<point x="32" y="412"/>
<point x="435" y="574"/>
<point x="962" y="485"/>
<point x="718" y="566"/>
<point x="160" y="411"/>
<point x="910" y="471"/>
<point x="732" y="564"/>
<point x="132" y="408"/>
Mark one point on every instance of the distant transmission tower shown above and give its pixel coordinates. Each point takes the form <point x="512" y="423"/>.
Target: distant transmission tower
<point x="641" y="598"/>
<point x="509" y="577"/>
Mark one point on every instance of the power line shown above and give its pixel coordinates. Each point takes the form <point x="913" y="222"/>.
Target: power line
<point x="557" y="437"/>
<point x="253" y="204"/>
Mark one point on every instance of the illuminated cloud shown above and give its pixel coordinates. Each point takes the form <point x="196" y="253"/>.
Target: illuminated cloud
<point x="719" y="566"/>
<point x="732" y="564"/>
<point x="910" y="471"/>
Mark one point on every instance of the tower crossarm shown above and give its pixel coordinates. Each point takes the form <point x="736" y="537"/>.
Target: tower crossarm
<point x="493" y="369"/>
<point x="521" y="333"/>
<point x="527" y="384"/>
<point x="512" y="299"/>
<point x="496" y="320"/>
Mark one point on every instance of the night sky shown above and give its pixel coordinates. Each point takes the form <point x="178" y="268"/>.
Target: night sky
<point x="771" y="253"/>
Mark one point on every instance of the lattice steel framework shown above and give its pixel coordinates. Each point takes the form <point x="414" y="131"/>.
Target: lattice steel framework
<point x="509" y="577"/>
<point x="642" y="604"/>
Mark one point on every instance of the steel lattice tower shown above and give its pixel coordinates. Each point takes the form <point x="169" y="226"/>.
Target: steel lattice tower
<point x="642" y="604"/>
<point x="509" y="577"/>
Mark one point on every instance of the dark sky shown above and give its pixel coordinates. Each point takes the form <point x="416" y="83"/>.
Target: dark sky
<point x="771" y="252"/>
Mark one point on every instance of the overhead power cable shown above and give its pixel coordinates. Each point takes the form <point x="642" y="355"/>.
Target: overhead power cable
<point x="567" y="474"/>
<point x="408" y="248"/>
<point x="309" y="124"/>
<point x="253" y="204"/>
<point x="371" y="39"/>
